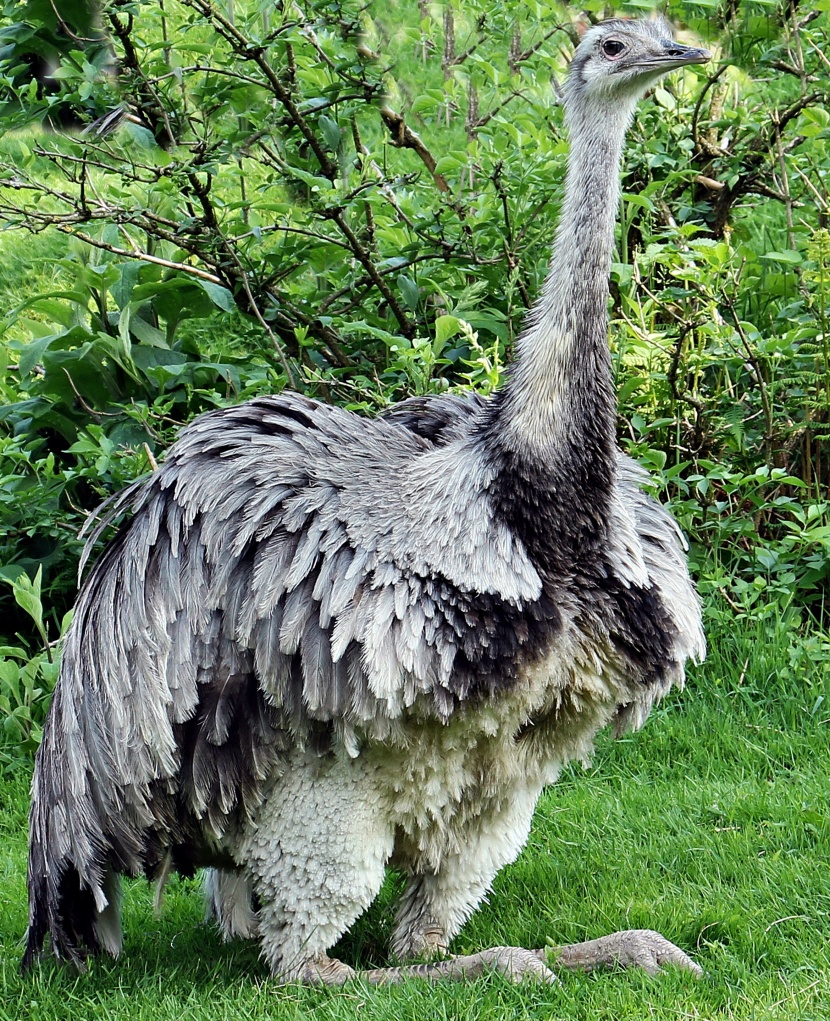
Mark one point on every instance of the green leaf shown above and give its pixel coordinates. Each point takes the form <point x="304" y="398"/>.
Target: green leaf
<point x="220" y="296"/>
<point x="445" y="327"/>
<point x="146" y="332"/>
<point x="122" y="290"/>
<point x="665" y="99"/>
<point x="789" y="257"/>
<point x="409" y="290"/>
<point x="447" y="164"/>
<point x="32" y="353"/>
<point x="331" y="131"/>
<point x="359" y="327"/>
<point x="142" y="136"/>
<point x="27" y="596"/>
<point x="638" y="200"/>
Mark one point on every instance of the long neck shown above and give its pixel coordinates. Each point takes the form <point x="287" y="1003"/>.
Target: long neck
<point x="551" y="428"/>
<point x="559" y="393"/>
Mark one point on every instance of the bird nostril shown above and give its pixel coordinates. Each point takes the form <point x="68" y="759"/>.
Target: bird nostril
<point x="690" y="53"/>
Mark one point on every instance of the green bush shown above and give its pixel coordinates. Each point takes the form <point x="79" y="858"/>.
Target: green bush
<point x="26" y="680"/>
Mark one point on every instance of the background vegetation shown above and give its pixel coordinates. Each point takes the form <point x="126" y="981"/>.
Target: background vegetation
<point x="201" y="202"/>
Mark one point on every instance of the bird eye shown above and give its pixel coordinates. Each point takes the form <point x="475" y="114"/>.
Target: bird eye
<point x="612" y="47"/>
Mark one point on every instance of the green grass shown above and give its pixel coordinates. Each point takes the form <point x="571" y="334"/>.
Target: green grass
<point x="711" y="825"/>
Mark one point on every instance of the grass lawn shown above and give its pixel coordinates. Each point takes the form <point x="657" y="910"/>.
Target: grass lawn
<point x="711" y="826"/>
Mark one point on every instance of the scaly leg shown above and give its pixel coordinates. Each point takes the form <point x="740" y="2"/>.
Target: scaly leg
<point x="631" y="948"/>
<point x="512" y="962"/>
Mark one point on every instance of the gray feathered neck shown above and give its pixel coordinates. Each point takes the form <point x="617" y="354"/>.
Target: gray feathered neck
<point x="558" y="405"/>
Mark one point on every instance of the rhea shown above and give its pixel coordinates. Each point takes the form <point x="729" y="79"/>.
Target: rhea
<point x="322" y="644"/>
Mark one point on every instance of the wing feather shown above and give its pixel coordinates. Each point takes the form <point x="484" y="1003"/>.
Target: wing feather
<point x="272" y="561"/>
<point x="319" y="692"/>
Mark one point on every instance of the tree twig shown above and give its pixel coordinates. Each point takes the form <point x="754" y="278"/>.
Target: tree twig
<point x="403" y="137"/>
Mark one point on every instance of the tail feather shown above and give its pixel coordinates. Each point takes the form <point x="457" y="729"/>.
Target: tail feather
<point x="73" y="892"/>
<point x="64" y="908"/>
<point x="95" y="812"/>
<point x="111" y="792"/>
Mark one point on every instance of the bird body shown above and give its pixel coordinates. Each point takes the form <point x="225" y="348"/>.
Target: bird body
<point x="322" y="644"/>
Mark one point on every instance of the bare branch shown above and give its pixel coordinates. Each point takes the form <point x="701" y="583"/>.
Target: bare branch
<point x="403" y="137"/>
<point x="136" y="253"/>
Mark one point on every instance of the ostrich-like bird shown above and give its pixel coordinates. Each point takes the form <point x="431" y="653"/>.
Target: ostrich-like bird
<point x="324" y="644"/>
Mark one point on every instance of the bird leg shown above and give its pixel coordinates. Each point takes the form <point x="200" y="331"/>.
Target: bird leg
<point x="418" y="935"/>
<point x="514" y="963"/>
<point x="426" y="941"/>
<point x="323" y="970"/>
<point x="631" y="948"/>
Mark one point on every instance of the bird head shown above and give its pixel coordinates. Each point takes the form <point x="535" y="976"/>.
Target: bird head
<point x="620" y="59"/>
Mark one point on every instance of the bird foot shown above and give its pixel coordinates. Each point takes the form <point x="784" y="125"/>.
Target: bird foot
<point x="514" y="963"/>
<point x="325" y="971"/>
<point x="631" y="948"/>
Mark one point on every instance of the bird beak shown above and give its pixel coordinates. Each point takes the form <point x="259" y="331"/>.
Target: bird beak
<point x="677" y="55"/>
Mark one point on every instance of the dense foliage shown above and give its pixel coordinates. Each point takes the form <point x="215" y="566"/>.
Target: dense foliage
<point x="204" y="201"/>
